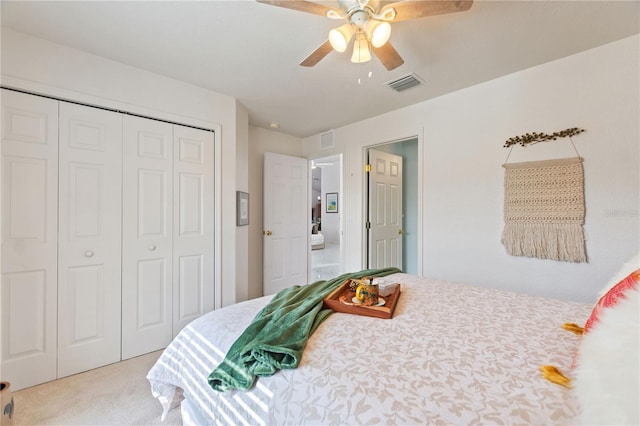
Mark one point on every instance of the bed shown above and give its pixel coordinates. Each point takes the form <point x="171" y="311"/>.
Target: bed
<point x="317" y="239"/>
<point x="451" y="354"/>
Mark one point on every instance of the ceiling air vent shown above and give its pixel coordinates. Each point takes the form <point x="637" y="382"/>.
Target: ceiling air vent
<point x="326" y="140"/>
<point x="405" y="82"/>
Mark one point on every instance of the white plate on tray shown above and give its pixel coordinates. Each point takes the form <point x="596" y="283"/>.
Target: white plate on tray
<point x="357" y="302"/>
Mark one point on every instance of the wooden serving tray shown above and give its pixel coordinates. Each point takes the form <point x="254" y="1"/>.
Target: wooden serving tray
<point x="340" y="301"/>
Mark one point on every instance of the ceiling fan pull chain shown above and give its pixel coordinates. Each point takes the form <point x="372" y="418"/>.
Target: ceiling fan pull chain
<point x="360" y="73"/>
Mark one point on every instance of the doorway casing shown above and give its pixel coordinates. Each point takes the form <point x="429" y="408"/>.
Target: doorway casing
<point x="331" y="224"/>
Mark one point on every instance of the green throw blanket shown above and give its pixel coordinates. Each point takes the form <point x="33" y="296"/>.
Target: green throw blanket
<point x="278" y="334"/>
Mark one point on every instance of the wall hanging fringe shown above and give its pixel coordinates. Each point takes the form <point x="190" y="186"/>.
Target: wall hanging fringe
<point x="544" y="208"/>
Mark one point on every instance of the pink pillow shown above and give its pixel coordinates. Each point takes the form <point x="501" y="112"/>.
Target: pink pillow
<point x="612" y="297"/>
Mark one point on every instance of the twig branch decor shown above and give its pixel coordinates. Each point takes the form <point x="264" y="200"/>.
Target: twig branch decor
<point x="532" y="138"/>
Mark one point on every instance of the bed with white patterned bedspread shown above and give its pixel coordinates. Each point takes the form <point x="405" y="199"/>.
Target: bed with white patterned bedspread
<point x="452" y="354"/>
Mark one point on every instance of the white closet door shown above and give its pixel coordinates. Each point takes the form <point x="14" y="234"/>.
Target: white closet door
<point x="147" y="236"/>
<point x="29" y="247"/>
<point x="385" y="210"/>
<point x="89" y="263"/>
<point x="193" y="225"/>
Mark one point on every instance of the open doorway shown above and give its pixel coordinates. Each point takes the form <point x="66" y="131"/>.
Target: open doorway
<point x="408" y="226"/>
<point x="325" y="260"/>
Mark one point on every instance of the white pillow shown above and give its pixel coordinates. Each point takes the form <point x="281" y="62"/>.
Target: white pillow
<point x="607" y="376"/>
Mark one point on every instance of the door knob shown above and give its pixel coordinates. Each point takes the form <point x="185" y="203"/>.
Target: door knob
<point x="400" y="232"/>
<point x="152" y="247"/>
<point x="88" y="253"/>
<point x="267" y="232"/>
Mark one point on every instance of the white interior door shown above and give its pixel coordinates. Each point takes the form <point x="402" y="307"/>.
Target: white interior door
<point x="89" y="238"/>
<point x="385" y="210"/>
<point x="193" y="285"/>
<point x="286" y="222"/>
<point x="147" y="249"/>
<point x="29" y="238"/>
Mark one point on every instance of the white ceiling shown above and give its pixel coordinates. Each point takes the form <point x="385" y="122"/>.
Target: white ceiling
<point x="251" y="51"/>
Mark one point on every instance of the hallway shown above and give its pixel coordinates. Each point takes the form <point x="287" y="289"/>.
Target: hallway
<point x="325" y="263"/>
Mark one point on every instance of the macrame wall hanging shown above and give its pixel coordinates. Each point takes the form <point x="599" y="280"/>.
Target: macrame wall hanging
<point x="544" y="204"/>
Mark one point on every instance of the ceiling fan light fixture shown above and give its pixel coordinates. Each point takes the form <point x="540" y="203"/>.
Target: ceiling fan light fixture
<point x="378" y="32"/>
<point x="361" y="49"/>
<point x="358" y="13"/>
<point x="340" y="37"/>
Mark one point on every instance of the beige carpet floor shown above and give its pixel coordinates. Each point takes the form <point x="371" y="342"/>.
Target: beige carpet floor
<point x="118" y="394"/>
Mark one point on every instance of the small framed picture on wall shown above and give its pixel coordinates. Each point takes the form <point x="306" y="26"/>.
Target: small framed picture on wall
<point x="332" y="202"/>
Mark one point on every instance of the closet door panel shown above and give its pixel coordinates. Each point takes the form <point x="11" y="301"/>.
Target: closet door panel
<point x="191" y="284"/>
<point x="147" y="236"/>
<point x="193" y="225"/>
<point x="29" y="152"/>
<point x="89" y="271"/>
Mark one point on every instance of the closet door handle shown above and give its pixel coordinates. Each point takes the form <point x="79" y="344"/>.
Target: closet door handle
<point x="151" y="247"/>
<point x="88" y="253"/>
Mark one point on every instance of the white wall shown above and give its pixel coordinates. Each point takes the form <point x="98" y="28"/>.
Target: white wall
<point x="242" y="184"/>
<point x="261" y="141"/>
<point x="42" y="67"/>
<point x="461" y="135"/>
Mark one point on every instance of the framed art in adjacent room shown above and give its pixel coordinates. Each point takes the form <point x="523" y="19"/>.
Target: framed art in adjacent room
<point x="242" y="208"/>
<point x="332" y="202"/>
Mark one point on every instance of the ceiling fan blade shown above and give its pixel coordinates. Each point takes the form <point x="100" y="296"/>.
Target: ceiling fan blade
<point x="388" y="56"/>
<point x="383" y="3"/>
<point x="301" y="5"/>
<point x="419" y="9"/>
<point x="317" y="55"/>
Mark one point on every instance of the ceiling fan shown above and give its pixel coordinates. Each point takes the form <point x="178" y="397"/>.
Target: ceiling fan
<point x="368" y="22"/>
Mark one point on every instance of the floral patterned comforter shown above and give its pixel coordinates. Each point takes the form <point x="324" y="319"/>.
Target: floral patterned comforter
<point x="451" y="354"/>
